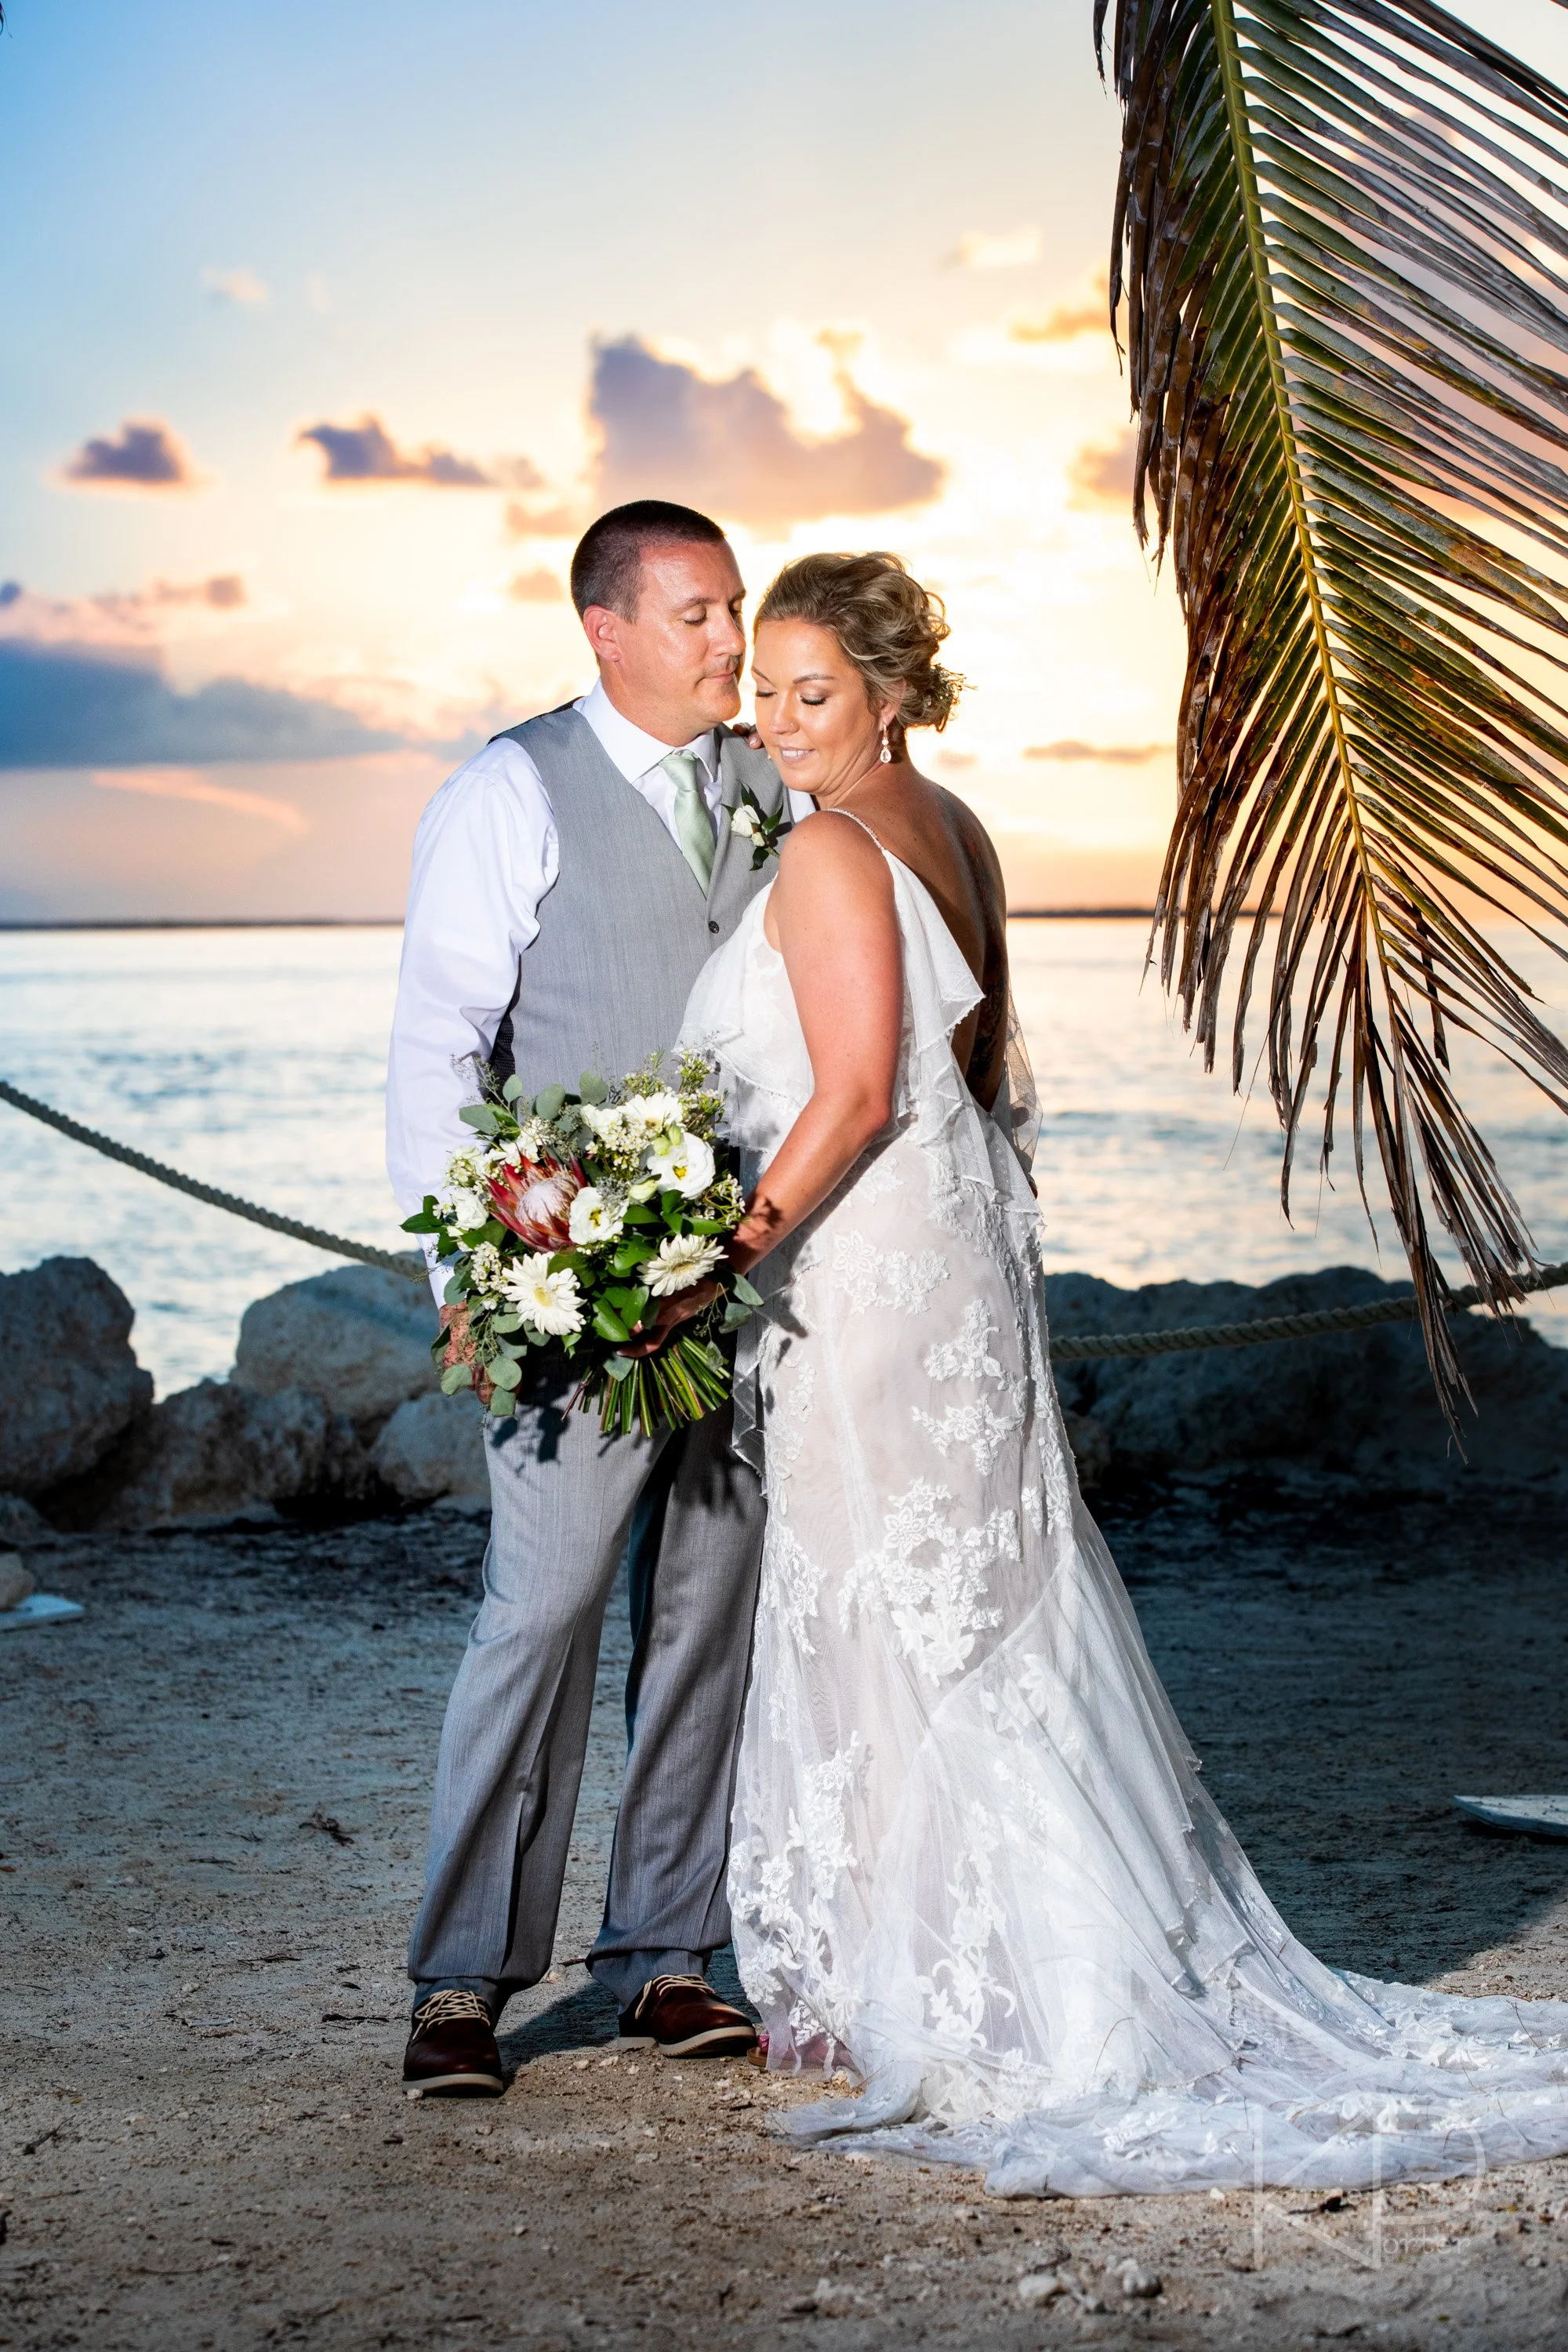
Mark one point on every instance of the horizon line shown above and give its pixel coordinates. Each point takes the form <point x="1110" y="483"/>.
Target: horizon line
<point x="394" y="922"/>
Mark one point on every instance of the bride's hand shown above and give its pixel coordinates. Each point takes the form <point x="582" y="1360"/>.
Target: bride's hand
<point x="672" y="1312"/>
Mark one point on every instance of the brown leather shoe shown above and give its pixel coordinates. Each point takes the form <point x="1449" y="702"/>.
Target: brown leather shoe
<point x="452" y="2050"/>
<point x="683" y="2017"/>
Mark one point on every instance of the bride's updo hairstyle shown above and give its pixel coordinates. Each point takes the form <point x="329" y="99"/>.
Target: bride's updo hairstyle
<point x="887" y="624"/>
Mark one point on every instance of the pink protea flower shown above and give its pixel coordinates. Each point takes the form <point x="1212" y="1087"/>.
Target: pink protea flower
<point x="535" y="1199"/>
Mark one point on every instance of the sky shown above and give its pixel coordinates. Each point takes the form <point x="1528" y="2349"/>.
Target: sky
<point x="328" y="328"/>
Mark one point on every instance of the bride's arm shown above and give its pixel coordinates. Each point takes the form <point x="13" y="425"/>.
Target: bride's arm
<point x="831" y="916"/>
<point x="832" y="912"/>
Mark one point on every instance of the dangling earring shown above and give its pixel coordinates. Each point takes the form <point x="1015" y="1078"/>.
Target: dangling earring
<point x="885" y="756"/>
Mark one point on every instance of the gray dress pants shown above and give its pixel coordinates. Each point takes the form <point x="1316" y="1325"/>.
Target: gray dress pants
<point x="568" y="1504"/>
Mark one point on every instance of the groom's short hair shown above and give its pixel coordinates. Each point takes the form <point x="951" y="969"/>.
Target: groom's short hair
<point x="606" y="568"/>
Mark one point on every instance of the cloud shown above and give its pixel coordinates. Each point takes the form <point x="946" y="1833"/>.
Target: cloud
<point x="730" y="446"/>
<point x="366" y="452"/>
<point x="1070" y="751"/>
<point x="1085" y="314"/>
<point x="1014" y="248"/>
<point x="541" y="587"/>
<point x="558" y="521"/>
<point x="1101" y="475"/>
<point x="143" y="455"/>
<point x="181" y="784"/>
<point x="122" y="616"/>
<point x="76" y="706"/>
<point x="241" y="286"/>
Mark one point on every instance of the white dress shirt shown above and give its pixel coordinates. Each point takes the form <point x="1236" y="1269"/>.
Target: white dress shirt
<point x="485" y="855"/>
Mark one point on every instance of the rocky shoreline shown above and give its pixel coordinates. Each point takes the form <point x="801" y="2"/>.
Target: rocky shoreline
<point x="332" y="1408"/>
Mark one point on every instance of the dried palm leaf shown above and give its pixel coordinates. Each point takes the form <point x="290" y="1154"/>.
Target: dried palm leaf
<point x="1341" y="235"/>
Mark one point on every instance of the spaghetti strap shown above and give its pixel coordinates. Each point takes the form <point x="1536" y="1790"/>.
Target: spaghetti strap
<point x="863" y="825"/>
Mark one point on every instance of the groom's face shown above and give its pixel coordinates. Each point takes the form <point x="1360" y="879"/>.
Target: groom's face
<point x="671" y="666"/>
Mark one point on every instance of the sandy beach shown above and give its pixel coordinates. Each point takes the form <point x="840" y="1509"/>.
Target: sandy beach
<point x="216" y="1788"/>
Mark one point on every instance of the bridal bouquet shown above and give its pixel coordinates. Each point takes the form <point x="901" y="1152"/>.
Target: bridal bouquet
<point x="572" y="1214"/>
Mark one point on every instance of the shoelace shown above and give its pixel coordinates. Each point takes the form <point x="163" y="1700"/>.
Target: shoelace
<point x="447" y="2008"/>
<point x="656" y="1984"/>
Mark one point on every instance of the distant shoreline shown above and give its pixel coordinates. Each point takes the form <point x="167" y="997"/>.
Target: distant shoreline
<point x="394" y="922"/>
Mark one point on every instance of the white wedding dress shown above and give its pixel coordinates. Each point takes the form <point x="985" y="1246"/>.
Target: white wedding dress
<point x="971" y="1855"/>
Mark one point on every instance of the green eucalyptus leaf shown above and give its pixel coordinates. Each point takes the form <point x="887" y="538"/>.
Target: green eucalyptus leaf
<point x="549" y="1102"/>
<point x="480" y="1117"/>
<point x="512" y="1088"/>
<point x="456" y="1377"/>
<point x="745" y="1291"/>
<point x="504" y="1372"/>
<point x="592" y="1089"/>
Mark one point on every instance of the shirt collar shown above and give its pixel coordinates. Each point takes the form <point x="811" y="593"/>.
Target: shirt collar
<point x="628" y="747"/>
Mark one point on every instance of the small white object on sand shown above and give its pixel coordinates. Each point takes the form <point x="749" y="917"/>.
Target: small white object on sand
<point x="38" y="1609"/>
<point x="1535" y="1816"/>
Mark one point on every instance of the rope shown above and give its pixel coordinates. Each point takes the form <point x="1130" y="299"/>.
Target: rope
<point x="1077" y="1347"/>
<point x="1066" y="1348"/>
<point x="333" y="1243"/>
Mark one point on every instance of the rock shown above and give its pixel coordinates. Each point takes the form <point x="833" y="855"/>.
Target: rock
<point x="1042" y="2286"/>
<point x="358" y="1338"/>
<point x="434" y="1446"/>
<point x="21" y="1527"/>
<point x="70" y="1382"/>
<point x="1356" y="1405"/>
<point x="17" y="1581"/>
<point x="217" y="1453"/>
<point x="1136" y="2283"/>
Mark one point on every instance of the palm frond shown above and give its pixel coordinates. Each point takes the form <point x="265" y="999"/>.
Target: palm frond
<point x="1342" y="236"/>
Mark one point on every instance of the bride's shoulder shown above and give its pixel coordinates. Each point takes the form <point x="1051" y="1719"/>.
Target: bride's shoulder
<point x="828" y="840"/>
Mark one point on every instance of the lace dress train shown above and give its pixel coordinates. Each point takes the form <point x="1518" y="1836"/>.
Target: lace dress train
<point x="971" y="1852"/>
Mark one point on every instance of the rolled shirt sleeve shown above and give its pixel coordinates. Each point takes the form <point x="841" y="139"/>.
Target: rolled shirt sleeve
<point x="484" y="856"/>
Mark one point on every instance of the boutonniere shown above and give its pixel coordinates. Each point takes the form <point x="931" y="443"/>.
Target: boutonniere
<point x="751" y="822"/>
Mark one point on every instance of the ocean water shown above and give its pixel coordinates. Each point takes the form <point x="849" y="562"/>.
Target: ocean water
<point x="255" y="1060"/>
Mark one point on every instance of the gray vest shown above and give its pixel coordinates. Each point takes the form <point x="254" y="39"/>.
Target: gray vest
<point x="625" y="928"/>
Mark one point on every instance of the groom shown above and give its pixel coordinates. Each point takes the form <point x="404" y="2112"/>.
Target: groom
<point x="569" y="883"/>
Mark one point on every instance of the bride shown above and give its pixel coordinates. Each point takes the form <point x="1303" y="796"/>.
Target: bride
<point x="971" y="1855"/>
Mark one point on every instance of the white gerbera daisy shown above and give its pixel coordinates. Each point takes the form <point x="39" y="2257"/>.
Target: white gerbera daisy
<point x="551" y="1302"/>
<point x="594" y="1217"/>
<point x="685" y="1166"/>
<point x="682" y="1260"/>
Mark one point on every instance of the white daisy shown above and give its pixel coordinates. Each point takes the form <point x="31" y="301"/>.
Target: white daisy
<point x="682" y="1260"/>
<point x="551" y="1302"/>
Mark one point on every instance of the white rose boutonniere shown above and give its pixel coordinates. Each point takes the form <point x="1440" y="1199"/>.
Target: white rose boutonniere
<point x="750" y="821"/>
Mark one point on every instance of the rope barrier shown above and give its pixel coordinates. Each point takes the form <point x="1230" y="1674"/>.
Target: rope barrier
<point x="1073" y="1346"/>
<point x="333" y="1242"/>
<point x="1067" y="1347"/>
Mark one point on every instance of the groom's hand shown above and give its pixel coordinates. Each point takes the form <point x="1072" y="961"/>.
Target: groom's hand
<point x="460" y="1348"/>
<point x="651" y="1337"/>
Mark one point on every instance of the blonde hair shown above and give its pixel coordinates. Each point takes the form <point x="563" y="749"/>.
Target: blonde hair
<point x="887" y="624"/>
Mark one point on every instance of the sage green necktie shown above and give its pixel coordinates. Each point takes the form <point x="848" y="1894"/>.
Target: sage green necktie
<point x="693" y="825"/>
